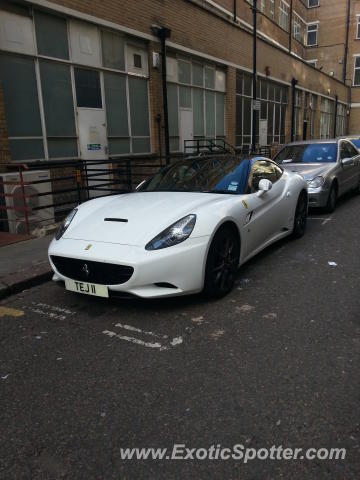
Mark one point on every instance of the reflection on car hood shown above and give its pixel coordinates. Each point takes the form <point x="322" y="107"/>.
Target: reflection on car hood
<point x="309" y="170"/>
<point x="136" y="218"/>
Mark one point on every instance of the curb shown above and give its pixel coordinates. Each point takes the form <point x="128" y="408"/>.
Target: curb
<point x="17" y="282"/>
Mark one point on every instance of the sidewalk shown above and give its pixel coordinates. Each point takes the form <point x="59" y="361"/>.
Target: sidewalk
<point x="23" y="265"/>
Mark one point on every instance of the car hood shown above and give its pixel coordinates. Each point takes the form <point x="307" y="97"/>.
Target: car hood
<point x="309" y="170"/>
<point x="140" y="216"/>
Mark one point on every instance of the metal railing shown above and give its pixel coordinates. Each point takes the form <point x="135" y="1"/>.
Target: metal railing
<point x="27" y="203"/>
<point x="207" y="146"/>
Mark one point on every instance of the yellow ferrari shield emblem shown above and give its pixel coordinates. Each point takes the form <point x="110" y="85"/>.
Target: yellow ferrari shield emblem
<point x="245" y="204"/>
<point x="88" y="246"/>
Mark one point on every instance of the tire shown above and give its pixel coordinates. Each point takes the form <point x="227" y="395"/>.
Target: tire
<point x="222" y="263"/>
<point x="332" y="199"/>
<point x="300" y="217"/>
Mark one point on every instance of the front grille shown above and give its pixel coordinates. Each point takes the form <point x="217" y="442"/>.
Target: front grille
<point x="93" y="272"/>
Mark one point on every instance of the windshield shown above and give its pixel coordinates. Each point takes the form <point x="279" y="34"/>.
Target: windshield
<point x="211" y="175"/>
<point x="308" y="153"/>
<point x="356" y="142"/>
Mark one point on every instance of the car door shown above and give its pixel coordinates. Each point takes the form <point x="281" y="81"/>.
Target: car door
<point x="267" y="215"/>
<point x="348" y="175"/>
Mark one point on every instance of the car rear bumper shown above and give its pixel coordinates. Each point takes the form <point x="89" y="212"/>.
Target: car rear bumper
<point x="179" y="269"/>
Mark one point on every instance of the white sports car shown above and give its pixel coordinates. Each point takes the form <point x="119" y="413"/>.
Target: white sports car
<point x="185" y="230"/>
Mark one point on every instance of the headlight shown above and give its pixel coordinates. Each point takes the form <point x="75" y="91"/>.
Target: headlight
<point x="316" y="182"/>
<point x="176" y="233"/>
<point x="63" y="227"/>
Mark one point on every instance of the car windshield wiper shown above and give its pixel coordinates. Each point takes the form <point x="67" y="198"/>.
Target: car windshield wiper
<point x="227" y="192"/>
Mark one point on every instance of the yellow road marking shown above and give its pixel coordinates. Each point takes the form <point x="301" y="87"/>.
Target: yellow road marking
<point x="10" y="312"/>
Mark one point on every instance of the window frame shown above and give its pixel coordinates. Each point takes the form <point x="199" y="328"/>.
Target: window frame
<point x="313" y="6"/>
<point x="358" y="28"/>
<point x="356" y="58"/>
<point x="284" y="10"/>
<point x="316" y="30"/>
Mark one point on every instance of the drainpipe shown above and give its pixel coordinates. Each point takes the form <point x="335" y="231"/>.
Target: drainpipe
<point x="346" y="48"/>
<point x="163" y="33"/>
<point x="290" y="25"/>
<point x="335" y="114"/>
<point x="235" y="13"/>
<point x="254" y="112"/>
<point x="294" y="82"/>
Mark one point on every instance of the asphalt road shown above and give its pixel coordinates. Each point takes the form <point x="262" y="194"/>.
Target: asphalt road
<point x="277" y="362"/>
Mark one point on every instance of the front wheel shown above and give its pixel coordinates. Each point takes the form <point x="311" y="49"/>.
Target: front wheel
<point x="222" y="263"/>
<point x="300" y="217"/>
<point x="332" y="200"/>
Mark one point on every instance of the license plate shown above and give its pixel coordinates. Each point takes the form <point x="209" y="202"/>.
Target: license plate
<point x="87" y="288"/>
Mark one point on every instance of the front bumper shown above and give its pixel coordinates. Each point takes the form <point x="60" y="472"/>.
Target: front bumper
<point x="318" y="197"/>
<point x="181" y="266"/>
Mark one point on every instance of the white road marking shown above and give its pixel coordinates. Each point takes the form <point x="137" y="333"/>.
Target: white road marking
<point x="50" y="311"/>
<point x="176" y="341"/>
<point x="134" y="329"/>
<point x="132" y="339"/>
<point x="323" y="220"/>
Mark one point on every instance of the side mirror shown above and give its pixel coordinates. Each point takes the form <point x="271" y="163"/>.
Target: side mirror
<point x="264" y="186"/>
<point x="347" y="161"/>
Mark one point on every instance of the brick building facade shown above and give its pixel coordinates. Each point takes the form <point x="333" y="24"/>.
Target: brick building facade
<point x="83" y="79"/>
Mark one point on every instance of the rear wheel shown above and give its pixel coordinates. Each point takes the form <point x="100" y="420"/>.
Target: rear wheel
<point x="222" y="263"/>
<point x="300" y="217"/>
<point x="332" y="199"/>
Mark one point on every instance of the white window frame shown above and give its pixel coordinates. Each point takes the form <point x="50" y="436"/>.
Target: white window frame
<point x="356" y="58"/>
<point x="297" y="28"/>
<point x="313" y="63"/>
<point x="358" y="27"/>
<point x="272" y="9"/>
<point x="313" y="6"/>
<point x="284" y="15"/>
<point x="309" y="26"/>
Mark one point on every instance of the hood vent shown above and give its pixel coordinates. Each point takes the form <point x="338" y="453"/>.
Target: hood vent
<point x="123" y="220"/>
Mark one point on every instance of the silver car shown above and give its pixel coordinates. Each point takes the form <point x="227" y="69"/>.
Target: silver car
<point x="330" y="167"/>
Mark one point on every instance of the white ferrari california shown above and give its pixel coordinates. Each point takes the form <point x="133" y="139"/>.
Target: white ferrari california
<point x="185" y="230"/>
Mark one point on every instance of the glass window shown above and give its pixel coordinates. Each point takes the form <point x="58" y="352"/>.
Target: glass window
<point x="113" y="50"/>
<point x="17" y="75"/>
<point x="313" y="3"/>
<point x="312" y="31"/>
<point x="21" y="149"/>
<point x="116" y="104"/>
<point x="210" y="113"/>
<point x="51" y="35"/>
<point x="198" y="96"/>
<point x="139" y="107"/>
<point x="262" y="169"/>
<point x="57" y="99"/>
<point x="198" y="75"/>
<point x="62" y="147"/>
<point x="184" y="71"/>
<point x="119" y="146"/>
<point x="185" y="97"/>
<point x="172" y="96"/>
<point x="220" y="115"/>
<point x="283" y="15"/>
<point x="357" y="71"/>
<point x="272" y="9"/>
<point x="88" y="90"/>
<point x="209" y="77"/>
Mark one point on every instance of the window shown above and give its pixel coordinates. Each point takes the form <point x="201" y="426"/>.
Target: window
<point x="58" y="109"/>
<point x="117" y="113"/>
<point x="273" y="99"/>
<point x="298" y="29"/>
<point x="272" y="9"/>
<point x="357" y="72"/>
<point x="51" y="35"/>
<point x="326" y="115"/>
<point x="139" y="114"/>
<point x="199" y="89"/>
<point x="358" y="28"/>
<point x="312" y="33"/>
<point x="17" y="76"/>
<point x="262" y="6"/>
<point x="263" y="169"/>
<point x="340" y="120"/>
<point x="283" y="15"/>
<point x="313" y="63"/>
<point x="88" y="90"/>
<point x="313" y="3"/>
<point x="298" y="102"/>
<point x="112" y="50"/>
<point x="346" y="151"/>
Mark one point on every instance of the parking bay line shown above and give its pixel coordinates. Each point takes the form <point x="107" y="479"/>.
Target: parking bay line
<point x="175" y="341"/>
<point x="324" y="220"/>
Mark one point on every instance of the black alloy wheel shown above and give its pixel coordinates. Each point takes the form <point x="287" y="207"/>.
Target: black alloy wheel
<point x="222" y="263"/>
<point x="300" y="218"/>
